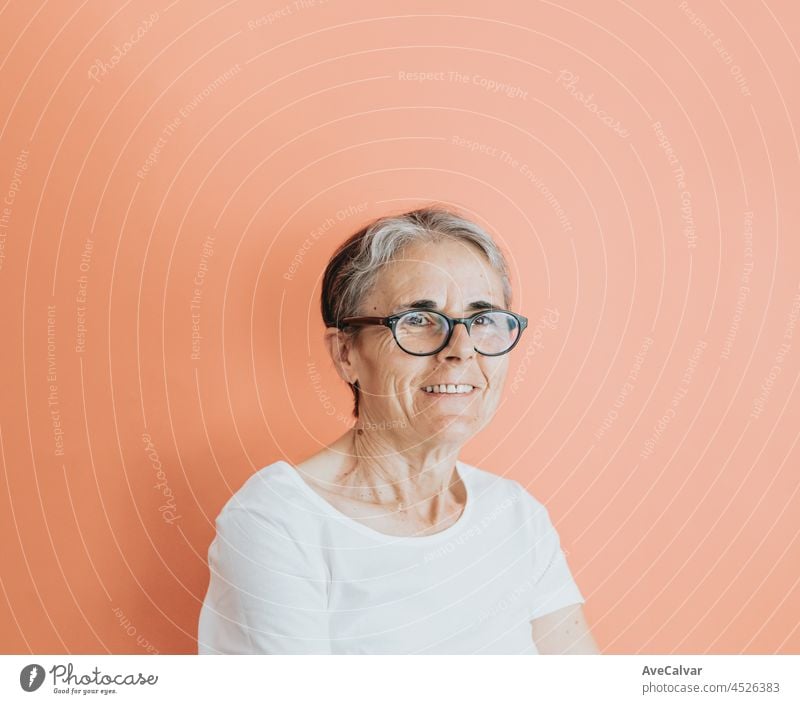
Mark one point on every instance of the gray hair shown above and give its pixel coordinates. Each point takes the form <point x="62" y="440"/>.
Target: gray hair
<point x="355" y="266"/>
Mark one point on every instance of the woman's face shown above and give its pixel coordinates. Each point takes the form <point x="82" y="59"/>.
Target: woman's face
<point x="455" y="276"/>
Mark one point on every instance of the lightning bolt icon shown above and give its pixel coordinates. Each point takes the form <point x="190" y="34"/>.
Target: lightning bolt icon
<point x="34" y="672"/>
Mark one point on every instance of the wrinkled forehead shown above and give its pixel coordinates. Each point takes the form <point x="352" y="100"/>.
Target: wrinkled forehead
<point x="447" y="274"/>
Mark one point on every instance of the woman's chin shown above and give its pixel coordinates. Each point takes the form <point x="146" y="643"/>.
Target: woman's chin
<point x="448" y="424"/>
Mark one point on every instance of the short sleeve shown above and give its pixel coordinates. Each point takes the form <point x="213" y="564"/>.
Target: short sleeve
<point x="268" y="590"/>
<point x="553" y="584"/>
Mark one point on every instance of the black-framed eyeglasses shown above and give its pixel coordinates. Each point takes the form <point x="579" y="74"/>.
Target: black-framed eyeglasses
<point x="425" y="332"/>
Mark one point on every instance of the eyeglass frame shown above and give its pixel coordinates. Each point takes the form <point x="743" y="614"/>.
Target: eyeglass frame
<point x="390" y="322"/>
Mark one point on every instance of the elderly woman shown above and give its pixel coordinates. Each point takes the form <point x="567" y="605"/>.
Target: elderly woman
<point x="385" y="541"/>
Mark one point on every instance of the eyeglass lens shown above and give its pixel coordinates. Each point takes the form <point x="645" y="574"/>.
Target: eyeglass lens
<point x="422" y="332"/>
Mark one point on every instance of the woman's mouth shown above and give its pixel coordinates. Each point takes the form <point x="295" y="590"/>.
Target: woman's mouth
<point x="449" y="389"/>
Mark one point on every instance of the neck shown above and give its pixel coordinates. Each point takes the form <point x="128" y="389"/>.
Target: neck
<point x="402" y="477"/>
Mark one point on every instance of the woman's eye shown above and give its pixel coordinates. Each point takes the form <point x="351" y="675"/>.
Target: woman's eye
<point x="484" y="320"/>
<point x="416" y="320"/>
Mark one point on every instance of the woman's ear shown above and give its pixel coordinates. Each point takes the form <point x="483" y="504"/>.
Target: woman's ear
<point x="340" y="348"/>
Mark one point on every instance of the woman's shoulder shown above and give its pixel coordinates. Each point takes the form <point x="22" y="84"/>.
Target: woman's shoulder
<point x="269" y="515"/>
<point x="498" y="487"/>
<point x="270" y="491"/>
<point x="486" y="480"/>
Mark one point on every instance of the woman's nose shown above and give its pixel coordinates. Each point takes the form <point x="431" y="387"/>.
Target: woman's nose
<point x="460" y="344"/>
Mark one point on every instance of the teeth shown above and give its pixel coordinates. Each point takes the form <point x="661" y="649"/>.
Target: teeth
<point x="449" y="389"/>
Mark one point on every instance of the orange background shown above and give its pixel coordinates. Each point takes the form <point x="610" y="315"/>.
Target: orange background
<point x="134" y="133"/>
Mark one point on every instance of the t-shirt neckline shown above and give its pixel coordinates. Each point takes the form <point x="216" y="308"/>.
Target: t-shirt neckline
<point x="463" y="470"/>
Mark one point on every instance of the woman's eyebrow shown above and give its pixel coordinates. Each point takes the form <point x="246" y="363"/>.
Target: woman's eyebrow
<point x="481" y="305"/>
<point x="428" y="304"/>
<point x="425" y="303"/>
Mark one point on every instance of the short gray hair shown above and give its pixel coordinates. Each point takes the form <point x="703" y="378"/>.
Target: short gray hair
<point x="355" y="266"/>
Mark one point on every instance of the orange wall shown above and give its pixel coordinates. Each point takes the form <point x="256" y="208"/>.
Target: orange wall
<point x="279" y="134"/>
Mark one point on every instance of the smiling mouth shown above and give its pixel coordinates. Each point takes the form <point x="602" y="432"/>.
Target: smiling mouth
<point x="450" y="389"/>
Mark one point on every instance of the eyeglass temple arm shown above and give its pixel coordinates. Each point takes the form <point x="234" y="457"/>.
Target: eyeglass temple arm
<point x="363" y="320"/>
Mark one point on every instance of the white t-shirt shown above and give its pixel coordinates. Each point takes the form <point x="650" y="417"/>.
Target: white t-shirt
<point x="290" y="573"/>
